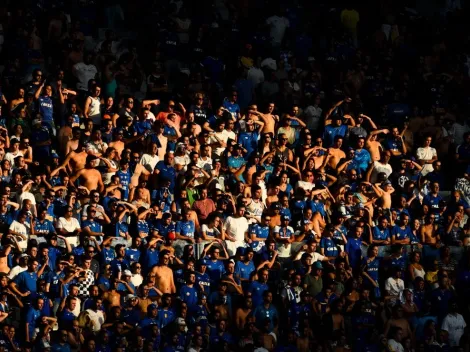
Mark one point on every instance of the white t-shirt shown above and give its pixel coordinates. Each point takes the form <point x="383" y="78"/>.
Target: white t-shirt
<point x="15" y="271"/>
<point x="378" y="168"/>
<point x="313" y="117"/>
<point x="236" y="227"/>
<point x="394" y="287"/>
<point x="454" y="324"/>
<point x="315" y="256"/>
<point x="256" y="75"/>
<point x="222" y="136"/>
<point x="426" y="154"/>
<point x="284" y="250"/>
<point x="395" y="346"/>
<point x="84" y="73"/>
<point x="69" y="226"/>
<point x="278" y="27"/>
<point x="308" y="186"/>
<point x="149" y="161"/>
<point x="11" y="157"/>
<point x="20" y="228"/>
<point x="26" y="195"/>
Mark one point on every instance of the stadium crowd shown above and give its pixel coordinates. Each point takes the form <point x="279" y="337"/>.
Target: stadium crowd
<point x="234" y="175"/>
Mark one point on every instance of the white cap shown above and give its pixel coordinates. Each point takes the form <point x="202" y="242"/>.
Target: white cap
<point x="127" y="273"/>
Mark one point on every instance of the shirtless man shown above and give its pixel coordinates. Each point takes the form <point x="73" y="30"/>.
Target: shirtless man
<point x="89" y="176"/>
<point x="73" y="143"/>
<point x="111" y="297"/>
<point x="242" y="313"/>
<point x="373" y="146"/>
<point x="428" y="232"/>
<point x="75" y="160"/>
<point x="335" y="153"/>
<point x="164" y="280"/>
<point x="65" y="134"/>
<point x="269" y="119"/>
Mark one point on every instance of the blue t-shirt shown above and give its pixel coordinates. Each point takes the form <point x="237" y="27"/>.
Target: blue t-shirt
<point x="432" y="202"/>
<point x="329" y="246"/>
<point x="372" y="268"/>
<point x="257" y="289"/>
<point x="380" y="235"/>
<point x="243" y="271"/>
<point x="32" y="318"/>
<point x="189" y="295"/>
<point x="249" y="141"/>
<point x="260" y="232"/>
<point x="46" y="108"/>
<point x="204" y="281"/>
<point x="26" y="281"/>
<point x="185" y="228"/>
<point x="215" y="269"/>
<point x="168" y="172"/>
<point x="401" y="234"/>
<point x="353" y="248"/>
<point x="124" y="179"/>
<point x="331" y="132"/>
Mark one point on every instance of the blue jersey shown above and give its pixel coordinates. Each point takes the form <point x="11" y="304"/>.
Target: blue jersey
<point x="46" y="108"/>
<point x="189" y="295"/>
<point x="132" y="255"/>
<point x="26" y="281"/>
<point x="165" y="317"/>
<point x="204" y="281"/>
<point x="124" y="179"/>
<point x="257" y="289"/>
<point x="380" y="234"/>
<point x="329" y="246"/>
<point x="143" y="227"/>
<point x="107" y="255"/>
<point x="168" y="172"/>
<point x="233" y="108"/>
<point x="185" y="228"/>
<point x="54" y="284"/>
<point x="32" y="318"/>
<point x="93" y="225"/>
<point x="243" y="271"/>
<point x="163" y="229"/>
<point x="215" y="270"/>
<point x="249" y="141"/>
<point x="331" y="132"/>
<point x="44" y="228"/>
<point x="372" y="268"/>
<point x="432" y="202"/>
<point x="353" y="248"/>
<point x="401" y="234"/>
<point x="260" y="232"/>
<point x="150" y="259"/>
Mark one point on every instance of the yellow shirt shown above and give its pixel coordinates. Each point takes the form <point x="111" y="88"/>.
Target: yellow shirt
<point x="349" y="19"/>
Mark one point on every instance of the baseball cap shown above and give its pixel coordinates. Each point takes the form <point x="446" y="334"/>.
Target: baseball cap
<point x="14" y="140"/>
<point x="152" y="306"/>
<point x="285" y="217"/>
<point x="36" y="122"/>
<point x="130" y="296"/>
<point x="318" y="265"/>
<point x="54" y="155"/>
<point x="306" y="221"/>
<point x="24" y="255"/>
<point x="360" y="206"/>
<point x="202" y="261"/>
<point x="180" y="321"/>
<point x="127" y="273"/>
